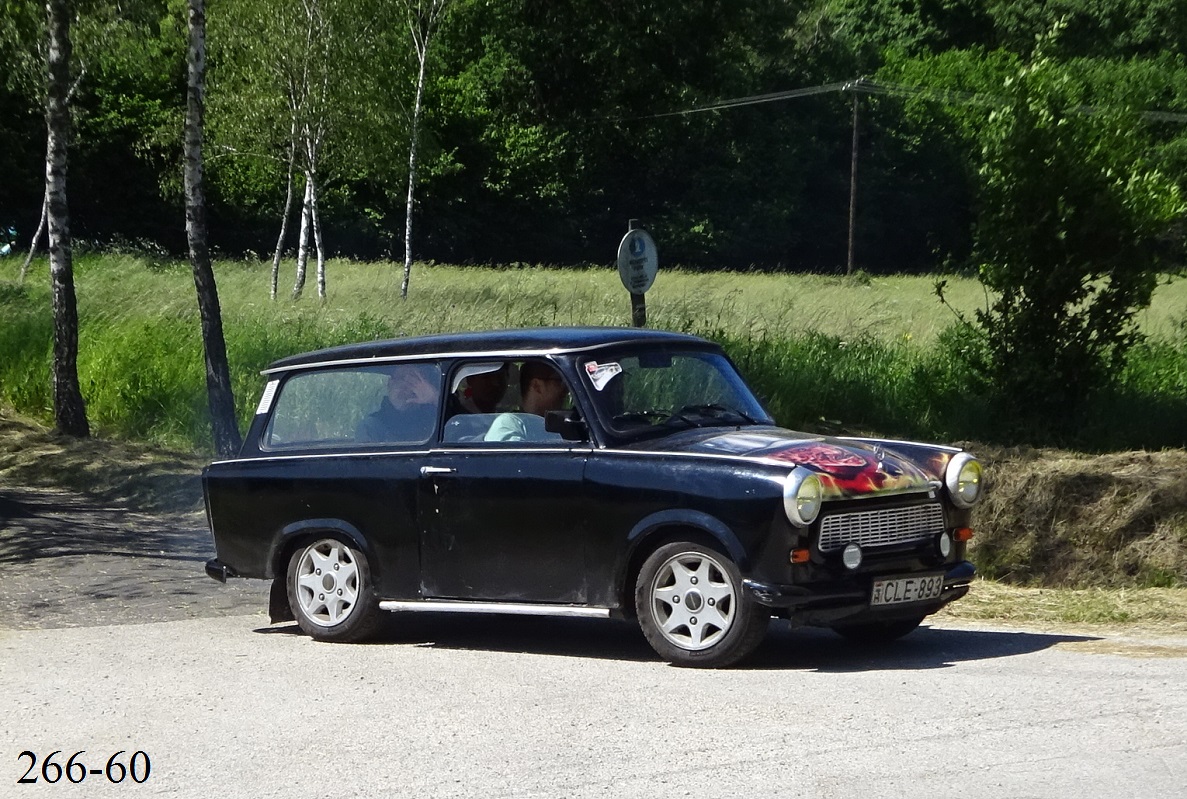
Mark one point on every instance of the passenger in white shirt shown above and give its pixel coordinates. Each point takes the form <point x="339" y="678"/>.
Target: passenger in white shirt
<point x="541" y="390"/>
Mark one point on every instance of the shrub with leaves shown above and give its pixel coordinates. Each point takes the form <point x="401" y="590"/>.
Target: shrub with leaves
<point x="1074" y="214"/>
<point x="1069" y="239"/>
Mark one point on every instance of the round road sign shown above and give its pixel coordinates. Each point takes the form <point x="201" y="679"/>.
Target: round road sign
<point x="637" y="261"/>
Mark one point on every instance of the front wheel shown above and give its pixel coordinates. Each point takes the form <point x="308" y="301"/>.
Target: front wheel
<point x="692" y="608"/>
<point x="329" y="591"/>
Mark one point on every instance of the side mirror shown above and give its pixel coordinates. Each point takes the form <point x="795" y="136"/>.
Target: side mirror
<point x="570" y="426"/>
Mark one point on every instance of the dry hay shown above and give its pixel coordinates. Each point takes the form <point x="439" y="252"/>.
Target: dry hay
<point x="1062" y="519"/>
<point x="123" y="473"/>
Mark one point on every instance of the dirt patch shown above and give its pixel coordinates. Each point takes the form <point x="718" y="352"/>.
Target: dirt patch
<point x="1111" y="647"/>
<point x="116" y="536"/>
<point x="117" y="472"/>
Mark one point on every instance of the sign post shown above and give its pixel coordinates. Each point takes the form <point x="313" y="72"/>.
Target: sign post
<point x="638" y="262"/>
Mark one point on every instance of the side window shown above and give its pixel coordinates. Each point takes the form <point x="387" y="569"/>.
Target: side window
<point x="395" y="404"/>
<point x="538" y="388"/>
<point x="480" y="387"/>
<point x="503" y="401"/>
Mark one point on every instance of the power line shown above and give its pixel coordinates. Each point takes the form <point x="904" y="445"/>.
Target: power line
<point x="756" y="99"/>
<point x="867" y="86"/>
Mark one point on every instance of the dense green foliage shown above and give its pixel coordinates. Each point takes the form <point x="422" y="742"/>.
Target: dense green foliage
<point x="1042" y="147"/>
<point x="550" y="124"/>
<point x="892" y="374"/>
<point x="1075" y="224"/>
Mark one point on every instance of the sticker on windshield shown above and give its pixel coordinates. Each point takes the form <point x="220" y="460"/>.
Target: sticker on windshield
<point x="266" y="399"/>
<point x="601" y="373"/>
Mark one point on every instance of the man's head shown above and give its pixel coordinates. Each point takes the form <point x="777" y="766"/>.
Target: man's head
<point x="412" y="384"/>
<point x="486" y="389"/>
<point x="541" y="388"/>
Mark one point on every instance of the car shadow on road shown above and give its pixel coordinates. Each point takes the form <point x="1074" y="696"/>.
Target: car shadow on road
<point x="802" y="649"/>
<point x="929" y="647"/>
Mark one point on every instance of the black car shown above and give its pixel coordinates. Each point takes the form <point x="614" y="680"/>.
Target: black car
<point x="579" y="472"/>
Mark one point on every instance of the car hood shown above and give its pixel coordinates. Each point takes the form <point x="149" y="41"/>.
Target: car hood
<point x="848" y="467"/>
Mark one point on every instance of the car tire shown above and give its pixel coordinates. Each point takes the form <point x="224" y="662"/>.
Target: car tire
<point x="330" y="593"/>
<point x="693" y="610"/>
<point x="882" y="632"/>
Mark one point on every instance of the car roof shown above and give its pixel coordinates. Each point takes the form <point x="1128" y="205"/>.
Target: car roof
<point x="524" y="341"/>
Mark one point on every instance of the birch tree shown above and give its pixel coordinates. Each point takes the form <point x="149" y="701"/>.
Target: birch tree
<point x="308" y="82"/>
<point x="294" y="78"/>
<point x="70" y="416"/>
<point x="36" y="236"/>
<point x="424" y="17"/>
<point x="218" y="374"/>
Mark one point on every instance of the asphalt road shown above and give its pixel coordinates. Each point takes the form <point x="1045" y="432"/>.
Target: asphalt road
<point x="226" y="705"/>
<point x="484" y="707"/>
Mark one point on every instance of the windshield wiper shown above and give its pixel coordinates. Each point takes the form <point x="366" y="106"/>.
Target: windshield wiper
<point x="641" y="417"/>
<point x="711" y="410"/>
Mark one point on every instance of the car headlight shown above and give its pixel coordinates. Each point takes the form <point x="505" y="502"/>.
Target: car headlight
<point x="963" y="479"/>
<point x="802" y="496"/>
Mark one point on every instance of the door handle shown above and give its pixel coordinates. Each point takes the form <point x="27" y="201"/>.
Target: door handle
<point x="425" y="471"/>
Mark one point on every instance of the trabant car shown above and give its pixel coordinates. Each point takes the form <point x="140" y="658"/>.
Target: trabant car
<point x="601" y="472"/>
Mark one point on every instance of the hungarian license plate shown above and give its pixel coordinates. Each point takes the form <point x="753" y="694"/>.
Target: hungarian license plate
<point x="900" y="590"/>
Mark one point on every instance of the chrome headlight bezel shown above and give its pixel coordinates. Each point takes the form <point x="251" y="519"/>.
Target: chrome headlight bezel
<point x="964" y="479"/>
<point x="803" y="496"/>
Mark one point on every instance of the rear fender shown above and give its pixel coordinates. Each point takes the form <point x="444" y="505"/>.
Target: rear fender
<point x="308" y="529"/>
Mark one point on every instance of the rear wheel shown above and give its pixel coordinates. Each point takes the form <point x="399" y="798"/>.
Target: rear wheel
<point x="329" y="591"/>
<point x="692" y="608"/>
<point x="881" y="632"/>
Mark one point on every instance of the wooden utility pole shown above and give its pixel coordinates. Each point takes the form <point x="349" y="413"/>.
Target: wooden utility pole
<point x="852" y="186"/>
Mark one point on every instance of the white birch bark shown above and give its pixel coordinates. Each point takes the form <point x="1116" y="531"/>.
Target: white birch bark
<point x="70" y="415"/>
<point x="288" y="208"/>
<point x="321" y="252"/>
<point x="36" y="236"/>
<point x="413" y="150"/>
<point x="423" y="16"/>
<point x="303" y="238"/>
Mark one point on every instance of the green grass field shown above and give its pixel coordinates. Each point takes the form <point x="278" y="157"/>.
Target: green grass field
<point x="448" y="298"/>
<point x="826" y="352"/>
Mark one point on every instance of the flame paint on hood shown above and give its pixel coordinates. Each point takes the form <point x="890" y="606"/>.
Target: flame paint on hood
<point x="848" y="468"/>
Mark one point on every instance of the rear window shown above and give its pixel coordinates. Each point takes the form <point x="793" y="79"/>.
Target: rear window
<point x="394" y="404"/>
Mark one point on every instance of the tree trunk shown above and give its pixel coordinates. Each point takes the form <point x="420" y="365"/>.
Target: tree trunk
<point x="288" y="207"/>
<point x="321" y="253"/>
<point x="413" y="147"/>
<point x="303" y="241"/>
<point x="36" y="235"/>
<point x="70" y="415"/>
<point x="224" y="427"/>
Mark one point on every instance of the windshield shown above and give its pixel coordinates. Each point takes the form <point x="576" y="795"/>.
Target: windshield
<point x="665" y="390"/>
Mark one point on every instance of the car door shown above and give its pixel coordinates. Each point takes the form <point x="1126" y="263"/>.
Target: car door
<point x="503" y="521"/>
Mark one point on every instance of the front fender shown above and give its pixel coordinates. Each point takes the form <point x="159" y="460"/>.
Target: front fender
<point x="659" y="524"/>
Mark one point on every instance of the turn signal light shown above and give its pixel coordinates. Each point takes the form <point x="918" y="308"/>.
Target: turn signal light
<point x="963" y="533"/>
<point x="800" y="555"/>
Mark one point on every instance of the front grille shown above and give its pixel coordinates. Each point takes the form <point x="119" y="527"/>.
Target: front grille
<point x="881" y="528"/>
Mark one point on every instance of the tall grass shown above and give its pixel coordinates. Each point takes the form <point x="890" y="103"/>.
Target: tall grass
<point x="827" y="353"/>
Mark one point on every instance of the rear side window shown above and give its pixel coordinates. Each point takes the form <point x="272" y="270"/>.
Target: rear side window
<point x="332" y="408"/>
